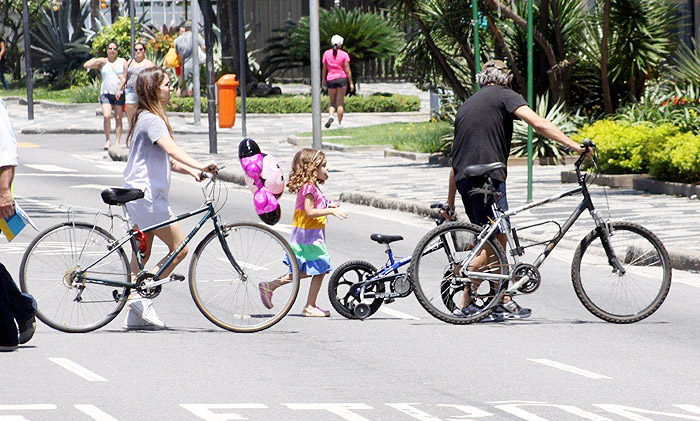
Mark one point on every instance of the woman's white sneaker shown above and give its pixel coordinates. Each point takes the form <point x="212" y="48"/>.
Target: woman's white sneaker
<point x="140" y="315"/>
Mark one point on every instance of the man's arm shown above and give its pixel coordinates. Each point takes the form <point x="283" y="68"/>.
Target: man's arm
<point x="7" y="205"/>
<point x="2" y="49"/>
<point x="546" y="128"/>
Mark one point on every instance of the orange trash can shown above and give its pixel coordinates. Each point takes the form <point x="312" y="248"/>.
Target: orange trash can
<point x="227" y="100"/>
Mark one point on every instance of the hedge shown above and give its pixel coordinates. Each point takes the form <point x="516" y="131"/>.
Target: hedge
<point x="678" y="159"/>
<point x="302" y="104"/>
<point x="625" y="148"/>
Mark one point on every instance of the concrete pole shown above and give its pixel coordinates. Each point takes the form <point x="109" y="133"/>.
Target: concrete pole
<point x="530" y="98"/>
<point x="196" y="95"/>
<point x="211" y="102"/>
<point x="242" y="54"/>
<point x="28" y="60"/>
<point x="315" y="73"/>
<point x="132" y="13"/>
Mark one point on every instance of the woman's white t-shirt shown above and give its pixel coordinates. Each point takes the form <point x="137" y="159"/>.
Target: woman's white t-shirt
<point x="148" y="169"/>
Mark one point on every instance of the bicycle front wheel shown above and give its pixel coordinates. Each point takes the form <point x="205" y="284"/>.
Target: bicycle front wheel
<point x="233" y="301"/>
<point x="69" y="297"/>
<point x="436" y="270"/>
<point x="622" y="297"/>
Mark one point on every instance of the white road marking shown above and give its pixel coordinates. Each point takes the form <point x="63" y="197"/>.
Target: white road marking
<point x="26" y="407"/>
<point x="285" y="228"/>
<point x="343" y="410"/>
<point x="49" y="168"/>
<point x="77" y="369"/>
<point x="112" y="168"/>
<point x="397" y="314"/>
<point x="410" y="410"/>
<point x="36" y="174"/>
<point x="90" y="186"/>
<point x="569" y="368"/>
<point x="95" y="413"/>
<point x="204" y="411"/>
<point x="244" y="265"/>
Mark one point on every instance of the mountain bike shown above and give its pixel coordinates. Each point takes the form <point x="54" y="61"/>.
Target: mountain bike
<point x="357" y="289"/>
<point x="621" y="271"/>
<point x="80" y="276"/>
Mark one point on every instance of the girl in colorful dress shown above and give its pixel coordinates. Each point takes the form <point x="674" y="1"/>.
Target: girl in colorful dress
<point x="308" y="239"/>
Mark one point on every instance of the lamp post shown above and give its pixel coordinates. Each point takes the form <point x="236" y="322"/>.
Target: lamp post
<point x="28" y="60"/>
<point x="529" y="98"/>
<point x="315" y="46"/>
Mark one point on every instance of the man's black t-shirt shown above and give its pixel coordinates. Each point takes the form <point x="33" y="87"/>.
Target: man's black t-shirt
<point x="484" y="129"/>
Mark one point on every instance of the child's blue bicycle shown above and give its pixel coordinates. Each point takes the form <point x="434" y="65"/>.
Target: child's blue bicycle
<point x="357" y="289"/>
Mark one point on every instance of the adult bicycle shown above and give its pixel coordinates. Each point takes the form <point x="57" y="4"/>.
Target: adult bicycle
<point x="79" y="273"/>
<point x="621" y="271"/>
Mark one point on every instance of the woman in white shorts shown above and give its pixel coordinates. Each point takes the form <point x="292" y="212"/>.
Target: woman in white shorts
<point x="152" y="157"/>
<point x="127" y="87"/>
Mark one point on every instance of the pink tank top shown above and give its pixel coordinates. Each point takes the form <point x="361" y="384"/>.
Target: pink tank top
<point x="336" y="65"/>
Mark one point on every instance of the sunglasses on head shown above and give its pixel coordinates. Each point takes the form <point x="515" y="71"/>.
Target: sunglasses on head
<point x="111" y="48"/>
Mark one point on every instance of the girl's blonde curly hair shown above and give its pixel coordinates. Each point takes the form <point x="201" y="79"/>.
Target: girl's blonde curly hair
<point x="304" y="168"/>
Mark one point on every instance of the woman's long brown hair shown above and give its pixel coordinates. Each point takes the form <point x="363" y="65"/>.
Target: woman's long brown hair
<point x="147" y="90"/>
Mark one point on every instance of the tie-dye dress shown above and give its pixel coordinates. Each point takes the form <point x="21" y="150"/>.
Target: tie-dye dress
<point x="308" y="239"/>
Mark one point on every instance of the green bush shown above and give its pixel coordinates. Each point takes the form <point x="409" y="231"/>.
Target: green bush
<point x="85" y="94"/>
<point x="119" y="32"/>
<point x="625" y="148"/>
<point x="302" y="104"/>
<point x="678" y="159"/>
<point x="421" y="137"/>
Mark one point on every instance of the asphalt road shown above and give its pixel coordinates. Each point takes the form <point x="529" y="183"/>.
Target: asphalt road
<point x="400" y="364"/>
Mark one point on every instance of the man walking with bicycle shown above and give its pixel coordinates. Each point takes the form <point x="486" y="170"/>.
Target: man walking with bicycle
<point x="483" y="135"/>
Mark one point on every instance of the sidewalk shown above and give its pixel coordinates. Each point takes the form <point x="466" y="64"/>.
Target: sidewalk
<point x="396" y="183"/>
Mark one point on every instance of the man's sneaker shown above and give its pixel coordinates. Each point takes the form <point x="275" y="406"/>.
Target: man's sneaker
<point x="511" y="310"/>
<point x="328" y="123"/>
<point x="468" y="311"/>
<point x="8" y="348"/>
<point x="27" y="327"/>
<point x="140" y="315"/>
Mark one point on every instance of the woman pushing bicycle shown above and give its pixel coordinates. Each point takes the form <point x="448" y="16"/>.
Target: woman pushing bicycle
<point x="483" y="134"/>
<point x="153" y="155"/>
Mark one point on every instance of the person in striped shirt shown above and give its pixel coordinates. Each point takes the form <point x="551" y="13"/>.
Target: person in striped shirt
<point x="308" y="239"/>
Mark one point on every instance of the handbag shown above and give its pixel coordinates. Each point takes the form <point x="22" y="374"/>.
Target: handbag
<point x="171" y="59"/>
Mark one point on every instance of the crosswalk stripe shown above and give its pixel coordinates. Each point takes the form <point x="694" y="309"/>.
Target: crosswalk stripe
<point x="77" y="369"/>
<point x="94" y="412"/>
<point x="50" y="168"/>
<point x="397" y="314"/>
<point x="570" y="368"/>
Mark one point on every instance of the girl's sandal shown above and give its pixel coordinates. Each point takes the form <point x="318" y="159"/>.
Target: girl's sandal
<point x="315" y="312"/>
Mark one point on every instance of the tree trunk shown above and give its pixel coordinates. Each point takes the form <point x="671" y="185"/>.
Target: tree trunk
<point x="94" y="13"/>
<point x="75" y="20"/>
<point x="554" y="66"/>
<point x="607" y="100"/>
<point x="561" y="52"/>
<point x="511" y="59"/>
<point x="234" y="21"/>
<point x="447" y="71"/>
<point x="228" y="51"/>
<point x="114" y="10"/>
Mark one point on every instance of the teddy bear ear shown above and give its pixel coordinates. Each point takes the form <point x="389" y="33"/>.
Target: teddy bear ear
<point x="247" y="147"/>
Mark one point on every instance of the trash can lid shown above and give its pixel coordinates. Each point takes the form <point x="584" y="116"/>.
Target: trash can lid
<point x="227" y="80"/>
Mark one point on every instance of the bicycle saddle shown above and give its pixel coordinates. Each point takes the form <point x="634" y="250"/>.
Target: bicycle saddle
<point x="385" y="239"/>
<point x="115" y="196"/>
<point x="482" y="169"/>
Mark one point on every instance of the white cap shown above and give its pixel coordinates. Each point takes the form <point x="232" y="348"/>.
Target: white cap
<point x="337" y="40"/>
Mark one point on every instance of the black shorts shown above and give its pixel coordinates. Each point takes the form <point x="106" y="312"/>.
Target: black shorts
<point x="337" y="83"/>
<point x="478" y="211"/>
<point x="112" y="99"/>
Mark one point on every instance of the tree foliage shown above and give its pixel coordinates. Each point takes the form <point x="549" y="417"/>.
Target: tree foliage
<point x="367" y="36"/>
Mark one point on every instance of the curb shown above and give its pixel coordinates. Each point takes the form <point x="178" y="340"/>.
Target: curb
<point x="307" y="142"/>
<point x="608" y="180"/>
<point x="667" y="187"/>
<point x="90" y="130"/>
<point x="427" y="158"/>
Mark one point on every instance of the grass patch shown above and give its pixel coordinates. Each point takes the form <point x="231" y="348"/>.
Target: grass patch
<point x="83" y="94"/>
<point x="414" y="137"/>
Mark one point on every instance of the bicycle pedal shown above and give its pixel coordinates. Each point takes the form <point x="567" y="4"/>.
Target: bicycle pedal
<point x="177" y="277"/>
<point x="389" y="300"/>
<point x="116" y="295"/>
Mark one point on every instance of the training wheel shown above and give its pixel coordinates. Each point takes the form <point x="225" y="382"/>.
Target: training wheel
<point x="361" y="311"/>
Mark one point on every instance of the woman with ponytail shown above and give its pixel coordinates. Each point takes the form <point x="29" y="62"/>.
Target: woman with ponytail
<point x="336" y="77"/>
<point x="152" y="157"/>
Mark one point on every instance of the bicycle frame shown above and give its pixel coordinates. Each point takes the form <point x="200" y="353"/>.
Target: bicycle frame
<point x="502" y="222"/>
<point x="209" y="213"/>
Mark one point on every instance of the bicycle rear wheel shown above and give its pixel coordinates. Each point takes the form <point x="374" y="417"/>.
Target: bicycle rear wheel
<point x="66" y="300"/>
<point x="628" y="297"/>
<point x="231" y="301"/>
<point x="343" y="282"/>
<point x="435" y="268"/>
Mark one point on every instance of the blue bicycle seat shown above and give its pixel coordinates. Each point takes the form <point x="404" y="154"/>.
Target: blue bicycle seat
<point x="385" y="239"/>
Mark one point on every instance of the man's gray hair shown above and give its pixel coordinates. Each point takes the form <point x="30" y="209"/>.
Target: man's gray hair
<point x="493" y="76"/>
